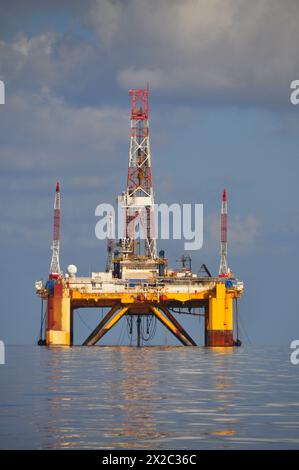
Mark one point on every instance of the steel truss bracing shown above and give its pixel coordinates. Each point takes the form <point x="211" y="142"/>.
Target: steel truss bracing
<point x="161" y="313"/>
<point x="223" y="270"/>
<point x="110" y="319"/>
<point x="55" y="266"/>
<point x="110" y="244"/>
<point x="138" y="200"/>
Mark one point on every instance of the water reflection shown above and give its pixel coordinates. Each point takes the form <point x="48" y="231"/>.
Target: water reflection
<point x="159" y="397"/>
<point x="131" y="399"/>
<point x="127" y="404"/>
<point x="137" y="398"/>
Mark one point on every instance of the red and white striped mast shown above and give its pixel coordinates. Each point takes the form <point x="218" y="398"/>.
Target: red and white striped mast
<point x="223" y="270"/>
<point x="138" y="199"/>
<point x="55" y="266"/>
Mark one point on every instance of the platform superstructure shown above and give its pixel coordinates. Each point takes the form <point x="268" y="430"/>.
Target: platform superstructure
<point x="138" y="282"/>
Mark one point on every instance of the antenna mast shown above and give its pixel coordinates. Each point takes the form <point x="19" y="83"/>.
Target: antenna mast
<point x="55" y="267"/>
<point x="223" y="270"/>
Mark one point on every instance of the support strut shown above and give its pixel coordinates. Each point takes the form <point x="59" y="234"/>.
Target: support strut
<point x="180" y="334"/>
<point x="177" y="324"/>
<point x="105" y="325"/>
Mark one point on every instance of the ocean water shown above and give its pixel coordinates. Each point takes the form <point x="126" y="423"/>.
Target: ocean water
<point x="148" y="398"/>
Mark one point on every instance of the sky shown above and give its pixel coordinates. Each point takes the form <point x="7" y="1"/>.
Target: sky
<point x="219" y="73"/>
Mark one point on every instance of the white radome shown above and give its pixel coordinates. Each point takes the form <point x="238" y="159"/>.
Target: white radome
<point x="72" y="269"/>
<point x="38" y="285"/>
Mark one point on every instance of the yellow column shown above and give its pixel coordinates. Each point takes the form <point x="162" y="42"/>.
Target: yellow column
<point x="59" y="321"/>
<point x="219" y="324"/>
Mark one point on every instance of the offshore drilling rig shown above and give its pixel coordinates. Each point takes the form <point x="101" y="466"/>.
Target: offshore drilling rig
<point x="137" y="282"/>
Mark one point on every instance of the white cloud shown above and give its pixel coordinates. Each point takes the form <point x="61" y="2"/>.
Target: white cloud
<point x="41" y="131"/>
<point x="218" y="51"/>
<point x="37" y="44"/>
<point x="44" y="139"/>
<point x="242" y="232"/>
<point x="230" y="50"/>
<point x="106" y="17"/>
<point x="48" y="60"/>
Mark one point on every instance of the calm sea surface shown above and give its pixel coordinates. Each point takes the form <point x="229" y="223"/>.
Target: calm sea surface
<point x="154" y="397"/>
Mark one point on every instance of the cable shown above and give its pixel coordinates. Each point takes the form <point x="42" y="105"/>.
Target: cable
<point x="39" y="339"/>
<point x="124" y="329"/>
<point x="241" y="323"/>
<point x="120" y="335"/>
<point x="186" y="313"/>
<point x="244" y="329"/>
<point x="152" y="326"/>
<point x="84" y="323"/>
<point x="130" y="328"/>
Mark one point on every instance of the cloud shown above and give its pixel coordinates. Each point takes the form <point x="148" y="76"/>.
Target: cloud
<point x="45" y="139"/>
<point x="106" y="17"/>
<point x="132" y="77"/>
<point x="21" y="16"/>
<point x="49" y="133"/>
<point x="50" y="60"/>
<point x="242" y="232"/>
<point x="222" y="51"/>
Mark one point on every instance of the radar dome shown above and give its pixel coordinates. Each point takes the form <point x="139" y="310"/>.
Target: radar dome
<point x="72" y="269"/>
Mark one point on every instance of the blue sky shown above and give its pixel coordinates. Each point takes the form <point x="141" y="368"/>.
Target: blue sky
<point x="220" y="116"/>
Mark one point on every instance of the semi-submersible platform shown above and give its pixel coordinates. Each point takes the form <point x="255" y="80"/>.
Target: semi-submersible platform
<point x="137" y="282"/>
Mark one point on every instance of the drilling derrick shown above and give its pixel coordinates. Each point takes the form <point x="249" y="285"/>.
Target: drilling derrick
<point x="138" y="200"/>
<point x="55" y="267"/>
<point x="110" y="244"/>
<point x="223" y="270"/>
